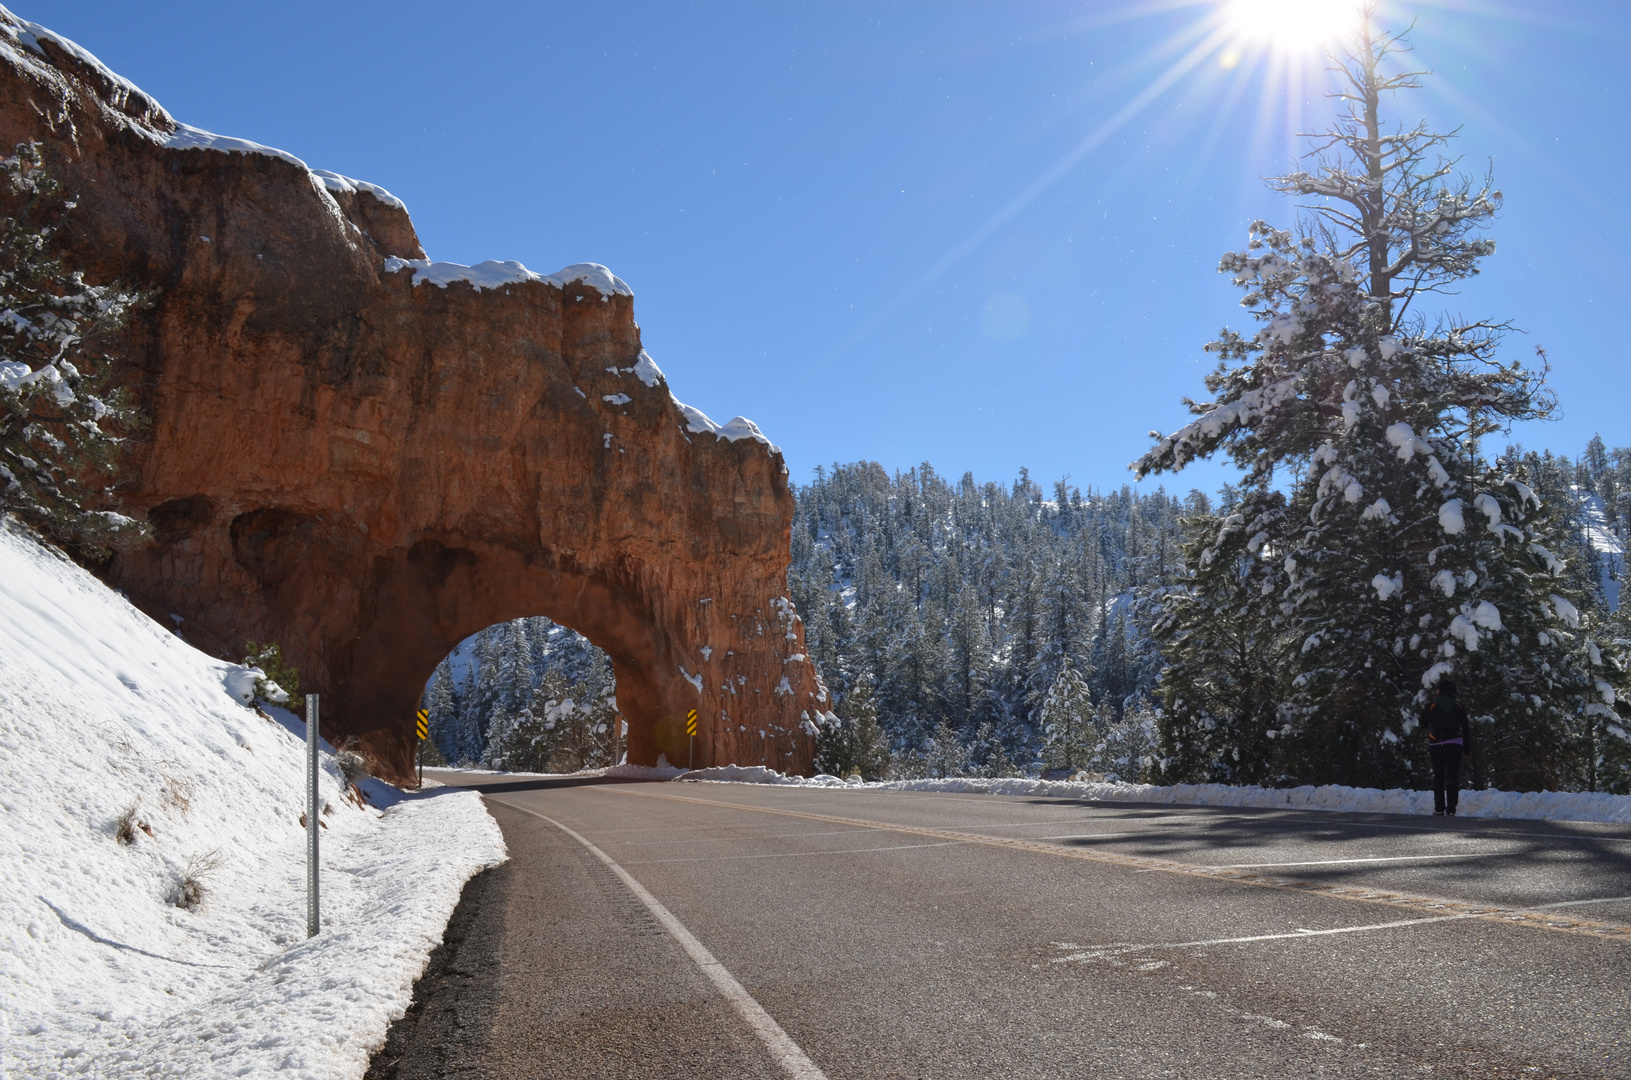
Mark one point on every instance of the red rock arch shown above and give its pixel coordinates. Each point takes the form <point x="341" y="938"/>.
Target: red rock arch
<point x="366" y="460"/>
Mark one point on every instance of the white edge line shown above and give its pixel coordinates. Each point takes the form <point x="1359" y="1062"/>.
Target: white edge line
<point x="782" y="1048"/>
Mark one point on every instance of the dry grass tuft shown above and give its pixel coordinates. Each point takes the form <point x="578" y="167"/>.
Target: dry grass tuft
<point x="194" y="887"/>
<point x="124" y="829"/>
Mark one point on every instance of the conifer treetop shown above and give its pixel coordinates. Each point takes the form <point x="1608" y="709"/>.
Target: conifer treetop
<point x="1391" y="220"/>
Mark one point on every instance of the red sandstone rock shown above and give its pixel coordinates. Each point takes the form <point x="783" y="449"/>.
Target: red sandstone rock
<point x="367" y="470"/>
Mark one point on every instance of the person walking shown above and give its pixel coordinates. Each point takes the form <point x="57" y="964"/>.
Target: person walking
<point x="1449" y="739"/>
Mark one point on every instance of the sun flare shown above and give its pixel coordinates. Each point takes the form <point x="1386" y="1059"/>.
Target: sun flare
<point x="1291" y="24"/>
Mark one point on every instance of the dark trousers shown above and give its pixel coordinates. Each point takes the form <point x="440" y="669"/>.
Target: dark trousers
<point x="1446" y="776"/>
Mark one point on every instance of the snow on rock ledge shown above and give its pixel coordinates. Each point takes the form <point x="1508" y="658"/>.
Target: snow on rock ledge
<point x="335" y="182"/>
<point x="698" y="422"/>
<point x="120" y="93"/>
<point x="187" y="137"/>
<point x="493" y="274"/>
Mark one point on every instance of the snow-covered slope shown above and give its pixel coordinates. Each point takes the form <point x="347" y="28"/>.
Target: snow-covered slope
<point x="1610" y="550"/>
<point x="101" y="973"/>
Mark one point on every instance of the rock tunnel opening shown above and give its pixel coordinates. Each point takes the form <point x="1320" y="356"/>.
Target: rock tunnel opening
<point x="439" y="609"/>
<point x="528" y="695"/>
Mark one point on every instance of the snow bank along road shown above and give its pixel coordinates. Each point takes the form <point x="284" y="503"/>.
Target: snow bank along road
<point x="914" y="934"/>
<point x="104" y="715"/>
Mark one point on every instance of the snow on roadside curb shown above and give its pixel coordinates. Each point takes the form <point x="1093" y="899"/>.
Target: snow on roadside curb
<point x="1524" y="806"/>
<point x="615" y="772"/>
<point x="101" y="974"/>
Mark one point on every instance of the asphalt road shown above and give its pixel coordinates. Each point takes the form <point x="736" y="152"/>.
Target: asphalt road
<point x="871" y="934"/>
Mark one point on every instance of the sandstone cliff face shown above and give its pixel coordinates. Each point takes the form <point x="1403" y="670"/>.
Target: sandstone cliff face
<point x="367" y="460"/>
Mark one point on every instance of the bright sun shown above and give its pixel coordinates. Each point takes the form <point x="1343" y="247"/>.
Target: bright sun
<point x="1291" y="24"/>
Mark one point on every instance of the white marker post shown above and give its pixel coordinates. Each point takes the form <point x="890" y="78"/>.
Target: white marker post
<point x="312" y="808"/>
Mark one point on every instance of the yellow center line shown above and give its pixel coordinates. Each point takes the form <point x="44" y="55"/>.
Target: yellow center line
<point x="1538" y="916"/>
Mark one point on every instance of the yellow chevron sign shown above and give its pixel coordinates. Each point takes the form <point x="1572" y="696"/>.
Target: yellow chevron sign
<point x="424" y="723"/>
<point x="690" y="721"/>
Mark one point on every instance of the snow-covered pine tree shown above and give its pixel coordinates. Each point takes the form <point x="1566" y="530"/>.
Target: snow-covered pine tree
<point x="62" y="419"/>
<point x="511" y="726"/>
<point x="536" y="737"/>
<point x="946" y="755"/>
<point x="1220" y="631"/>
<point x="479" y="699"/>
<point x="441" y="702"/>
<point x="1128" y="748"/>
<point x="508" y="736"/>
<point x="989" y="755"/>
<point x="1608" y="747"/>
<point x="1069" y="737"/>
<point x="857" y="743"/>
<point x="1376" y="418"/>
<point x="580" y="723"/>
<point x="969" y="653"/>
<point x="515" y="667"/>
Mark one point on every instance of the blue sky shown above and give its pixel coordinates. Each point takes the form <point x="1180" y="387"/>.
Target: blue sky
<point x="982" y="235"/>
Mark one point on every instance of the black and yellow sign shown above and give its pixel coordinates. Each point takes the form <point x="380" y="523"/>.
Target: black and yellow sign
<point x="424" y="723"/>
<point x="690" y="721"/>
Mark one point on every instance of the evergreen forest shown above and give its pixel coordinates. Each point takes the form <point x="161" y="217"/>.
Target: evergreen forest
<point x="945" y="612"/>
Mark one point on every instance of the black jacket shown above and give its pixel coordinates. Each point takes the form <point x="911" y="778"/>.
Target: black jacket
<point x="1444" y="718"/>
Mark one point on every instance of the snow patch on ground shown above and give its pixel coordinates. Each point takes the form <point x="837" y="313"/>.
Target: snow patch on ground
<point x="1528" y="806"/>
<point x="103" y="710"/>
<point x="759" y="774"/>
<point x="1515" y="805"/>
<point x="624" y="771"/>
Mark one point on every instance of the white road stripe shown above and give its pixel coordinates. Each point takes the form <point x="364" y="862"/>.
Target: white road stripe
<point x="1579" y="903"/>
<point x="1092" y="953"/>
<point x="1095" y="953"/>
<point x="1315" y="933"/>
<point x="782" y="1048"/>
<point x="793" y="854"/>
<point x="1335" y="862"/>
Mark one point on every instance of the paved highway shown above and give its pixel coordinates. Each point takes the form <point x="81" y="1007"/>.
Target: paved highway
<point x="723" y="930"/>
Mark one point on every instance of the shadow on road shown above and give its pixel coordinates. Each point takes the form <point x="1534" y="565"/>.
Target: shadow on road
<point x="1467" y="852"/>
<point x="498" y="786"/>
